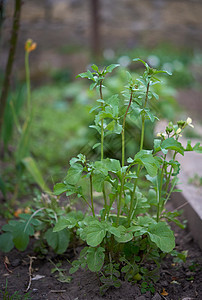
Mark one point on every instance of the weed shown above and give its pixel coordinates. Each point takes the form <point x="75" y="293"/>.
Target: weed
<point x="131" y="228"/>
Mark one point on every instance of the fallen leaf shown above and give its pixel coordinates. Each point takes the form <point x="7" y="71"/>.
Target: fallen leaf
<point x="18" y="212"/>
<point x="27" y="210"/>
<point x="6" y="260"/>
<point x="37" y="277"/>
<point x="164" y="293"/>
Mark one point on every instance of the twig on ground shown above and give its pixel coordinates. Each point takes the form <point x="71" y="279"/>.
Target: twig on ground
<point x="6" y="262"/>
<point x="31" y="259"/>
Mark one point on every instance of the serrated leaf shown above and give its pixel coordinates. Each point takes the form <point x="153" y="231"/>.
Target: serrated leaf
<point x="6" y="242"/>
<point x="95" y="258"/>
<point x="162" y="236"/>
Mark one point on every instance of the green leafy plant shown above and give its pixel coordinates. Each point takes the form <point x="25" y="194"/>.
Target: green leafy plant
<point x="132" y="227"/>
<point x="39" y="224"/>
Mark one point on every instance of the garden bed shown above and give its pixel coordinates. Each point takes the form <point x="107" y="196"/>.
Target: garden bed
<point x="177" y="280"/>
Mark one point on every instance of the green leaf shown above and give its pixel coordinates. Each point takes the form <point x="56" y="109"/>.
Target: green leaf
<point x="197" y="148"/>
<point x="94" y="67"/>
<point x="23" y="145"/>
<point x="87" y="74"/>
<point x="95" y="232"/>
<point x="60" y="188"/>
<point x="111" y="67"/>
<point x="98" y="180"/>
<point x="20" y="240"/>
<point x="96" y="145"/>
<point x="32" y="168"/>
<point x="172" y="144"/>
<point x="6" y="242"/>
<point x="112" y="165"/>
<point x="74" y="174"/>
<point x="125" y="235"/>
<point x="96" y="127"/>
<point x="95" y="258"/>
<point x="162" y="236"/>
<point x="68" y="222"/>
<point x="144" y="63"/>
<point x="151" y="163"/>
<point x="59" y="241"/>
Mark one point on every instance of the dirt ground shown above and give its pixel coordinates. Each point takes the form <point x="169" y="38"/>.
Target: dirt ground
<point x="177" y="281"/>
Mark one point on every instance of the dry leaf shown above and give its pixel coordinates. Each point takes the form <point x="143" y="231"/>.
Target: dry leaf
<point x="27" y="210"/>
<point x="164" y="293"/>
<point x="18" y="212"/>
<point x="37" y="277"/>
<point x="6" y="260"/>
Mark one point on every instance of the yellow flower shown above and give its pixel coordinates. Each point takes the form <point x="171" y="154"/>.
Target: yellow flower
<point x="30" y="46"/>
<point x="189" y="122"/>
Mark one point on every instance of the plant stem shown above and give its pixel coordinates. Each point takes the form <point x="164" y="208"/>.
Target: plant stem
<point x="102" y="125"/>
<point x="141" y="147"/>
<point x="27" y="71"/>
<point x="119" y="201"/>
<point x="123" y="129"/>
<point x="91" y="195"/>
<point x="13" y="43"/>
<point x="102" y="150"/>
<point x="123" y="158"/>
<point x="160" y="191"/>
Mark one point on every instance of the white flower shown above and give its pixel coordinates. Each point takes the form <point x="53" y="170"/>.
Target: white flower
<point x="178" y="132"/>
<point x="158" y="134"/>
<point x="189" y="122"/>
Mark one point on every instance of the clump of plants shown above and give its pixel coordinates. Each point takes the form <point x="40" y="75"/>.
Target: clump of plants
<point x="132" y="228"/>
<point x="129" y="236"/>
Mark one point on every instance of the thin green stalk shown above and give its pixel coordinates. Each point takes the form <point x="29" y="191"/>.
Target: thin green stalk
<point x="123" y="129"/>
<point x="102" y="125"/>
<point x="27" y="71"/>
<point x="119" y="201"/>
<point x="91" y="195"/>
<point x="123" y="157"/>
<point x="141" y="147"/>
<point x="160" y="191"/>
<point x="102" y="151"/>
<point x="170" y="173"/>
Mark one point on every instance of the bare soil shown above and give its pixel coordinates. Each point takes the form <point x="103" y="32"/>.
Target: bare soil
<point x="177" y="281"/>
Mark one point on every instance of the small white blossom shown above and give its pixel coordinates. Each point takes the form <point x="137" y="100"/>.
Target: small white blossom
<point x="189" y="122"/>
<point x="178" y="130"/>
